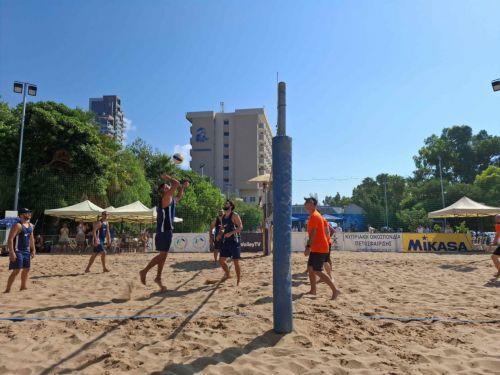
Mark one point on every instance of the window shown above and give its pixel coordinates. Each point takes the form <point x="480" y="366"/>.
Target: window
<point x="226" y="180"/>
<point x="226" y="168"/>
<point x="226" y="122"/>
<point x="226" y="157"/>
<point x="261" y="126"/>
<point x="252" y="199"/>
<point x="226" y="134"/>
<point x="226" y="145"/>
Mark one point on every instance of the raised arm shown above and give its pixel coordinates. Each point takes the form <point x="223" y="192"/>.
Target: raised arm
<point x="181" y="190"/>
<point x="168" y="192"/>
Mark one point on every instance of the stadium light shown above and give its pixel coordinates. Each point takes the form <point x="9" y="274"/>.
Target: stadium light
<point x="30" y="89"/>
<point x="496" y="85"/>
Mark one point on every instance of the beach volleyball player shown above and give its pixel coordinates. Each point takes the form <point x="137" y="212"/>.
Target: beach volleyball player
<point x="101" y="239"/>
<point x="231" y="248"/>
<point x="171" y="192"/>
<point x="495" y="257"/>
<point x="317" y="248"/>
<point x="21" y="245"/>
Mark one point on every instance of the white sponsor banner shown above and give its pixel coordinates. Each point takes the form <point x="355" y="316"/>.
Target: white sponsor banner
<point x="347" y="241"/>
<point x="189" y="243"/>
<point x="299" y="240"/>
<point x="371" y="242"/>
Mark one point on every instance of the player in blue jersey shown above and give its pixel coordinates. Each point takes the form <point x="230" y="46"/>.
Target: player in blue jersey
<point x="21" y="244"/>
<point x="171" y="192"/>
<point x="101" y="239"/>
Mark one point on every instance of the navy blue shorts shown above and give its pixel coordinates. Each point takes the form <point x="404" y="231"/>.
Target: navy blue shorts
<point x="230" y="249"/>
<point x="23" y="260"/>
<point x="99" y="248"/>
<point x="163" y="240"/>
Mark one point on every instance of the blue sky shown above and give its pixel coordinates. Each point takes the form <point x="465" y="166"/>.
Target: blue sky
<point x="367" y="80"/>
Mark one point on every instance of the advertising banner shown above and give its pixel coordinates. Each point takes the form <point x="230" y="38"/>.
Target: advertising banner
<point x="383" y="242"/>
<point x="190" y="243"/>
<point x="436" y="242"/>
<point x="252" y="242"/>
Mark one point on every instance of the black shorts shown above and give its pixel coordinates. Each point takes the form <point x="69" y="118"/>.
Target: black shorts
<point x="316" y="260"/>
<point x="497" y="251"/>
<point x="230" y="249"/>
<point x="163" y="240"/>
<point x="217" y="245"/>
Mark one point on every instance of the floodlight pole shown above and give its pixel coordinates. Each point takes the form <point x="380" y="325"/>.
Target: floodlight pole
<point x="19" y="159"/>
<point x="442" y="188"/>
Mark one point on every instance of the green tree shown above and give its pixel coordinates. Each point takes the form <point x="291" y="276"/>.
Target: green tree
<point x="489" y="184"/>
<point x="370" y="196"/>
<point x="154" y="163"/>
<point x="64" y="156"/>
<point x="411" y="218"/>
<point x="337" y="200"/>
<point x="200" y="204"/>
<point x="127" y="182"/>
<point x="463" y="154"/>
<point x="251" y="215"/>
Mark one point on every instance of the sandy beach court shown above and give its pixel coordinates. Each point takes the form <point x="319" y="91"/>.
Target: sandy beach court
<point x="198" y="327"/>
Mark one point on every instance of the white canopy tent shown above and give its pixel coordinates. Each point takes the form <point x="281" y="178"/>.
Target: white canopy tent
<point x="135" y="212"/>
<point x="465" y="207"/>
<point x="84" y="211"/>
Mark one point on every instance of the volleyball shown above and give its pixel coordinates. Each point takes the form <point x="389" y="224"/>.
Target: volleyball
<point x="178" y="158"/>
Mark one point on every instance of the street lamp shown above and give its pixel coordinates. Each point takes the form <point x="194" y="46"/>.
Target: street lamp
<point x="30" y="89"/>
<point x="442" y="188"/>
<point x="202" y="165"/>
<point x="496" y="84"/>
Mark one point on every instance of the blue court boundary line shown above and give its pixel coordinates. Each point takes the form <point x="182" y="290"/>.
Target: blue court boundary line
<point x="409" y="319"/>
<point x="115" y="317"/>
<point x="403" y="319"/>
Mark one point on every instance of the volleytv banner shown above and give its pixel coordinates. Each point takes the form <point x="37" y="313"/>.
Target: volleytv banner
<point x="437" y="242"/>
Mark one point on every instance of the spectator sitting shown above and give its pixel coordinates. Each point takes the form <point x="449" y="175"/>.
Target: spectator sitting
<point x="448" y="229"/>
<point x="64" y="237"/>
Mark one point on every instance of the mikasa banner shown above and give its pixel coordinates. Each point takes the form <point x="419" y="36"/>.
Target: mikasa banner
<point x="436" y="242"/>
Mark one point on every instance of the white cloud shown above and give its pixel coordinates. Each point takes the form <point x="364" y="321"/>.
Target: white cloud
<point x="184" y="151"/>
<point x="128" y="127"/>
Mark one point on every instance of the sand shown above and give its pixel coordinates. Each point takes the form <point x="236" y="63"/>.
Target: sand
<point x="223" y="329"/>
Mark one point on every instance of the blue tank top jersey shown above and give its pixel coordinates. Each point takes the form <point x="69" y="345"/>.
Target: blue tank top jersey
<point x="102" y="232"/>
<point x="165" y="217"/>
<point x="23" y="238"/>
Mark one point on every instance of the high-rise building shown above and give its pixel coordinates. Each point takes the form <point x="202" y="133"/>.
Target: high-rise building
<point x="231" y="148"/>
<point x="109" y="115"/>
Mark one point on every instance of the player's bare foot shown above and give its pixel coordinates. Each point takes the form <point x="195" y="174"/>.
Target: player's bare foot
<point x="23" y="288"/>
<point x="335" y="294"/>
<point x="7" y="291"/>
<point x="142" y="275"/>
<point x="163" y="288"/>
<point x="497" y="274"/>
<point x="311" y="293"/>
<point x="238" y="282"/>
<point x="224" y="278"/>
<point x="87" y="270"/>
<point x="105" y="270"/>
